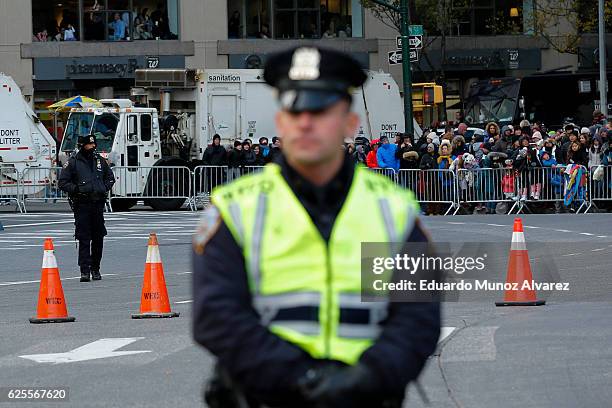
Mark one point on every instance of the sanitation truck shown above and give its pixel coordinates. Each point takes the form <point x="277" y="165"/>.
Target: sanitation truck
<point x="176" y="113"/>
<point x="27" y="149"/>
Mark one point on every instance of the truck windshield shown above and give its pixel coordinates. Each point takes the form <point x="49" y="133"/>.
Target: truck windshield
<point x="493" y="101"/>
<point x="103" y="126"/>
<point x="78" y="124"/>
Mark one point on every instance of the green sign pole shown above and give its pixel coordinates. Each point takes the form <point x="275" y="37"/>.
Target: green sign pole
<point x="404" y="13"/>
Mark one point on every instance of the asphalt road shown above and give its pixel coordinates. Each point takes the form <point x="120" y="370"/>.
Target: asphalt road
<point x="558" y="355"/>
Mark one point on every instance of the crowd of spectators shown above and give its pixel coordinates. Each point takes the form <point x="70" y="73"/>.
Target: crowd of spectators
<point x="520" y="149"/>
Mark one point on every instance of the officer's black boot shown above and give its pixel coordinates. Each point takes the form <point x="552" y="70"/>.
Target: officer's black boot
<point x="95" y="274"/>
<point x="84" y="274"/>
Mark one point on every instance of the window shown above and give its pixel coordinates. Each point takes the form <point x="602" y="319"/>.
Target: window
<point x="105" y="20"/>
<point x="145" y="128"/>
<point x="55" y="21"/>
<point x="294" y="19"/>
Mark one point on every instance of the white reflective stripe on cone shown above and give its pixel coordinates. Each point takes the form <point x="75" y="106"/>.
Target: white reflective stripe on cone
<point x="518" y="242"/>
<point x="49" y="260"/>
<point x="153" y="255"/>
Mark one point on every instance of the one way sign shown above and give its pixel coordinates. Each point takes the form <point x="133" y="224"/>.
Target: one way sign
<point x="415" y="42"/>
<point x="395" y="57"/>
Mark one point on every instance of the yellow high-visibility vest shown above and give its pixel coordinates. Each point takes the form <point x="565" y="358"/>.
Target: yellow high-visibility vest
<point x="306" y="290"/>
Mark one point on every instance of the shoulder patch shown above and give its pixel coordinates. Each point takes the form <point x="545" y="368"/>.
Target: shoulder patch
<point x="66" y="164"/>
<point x="207" y="227"/>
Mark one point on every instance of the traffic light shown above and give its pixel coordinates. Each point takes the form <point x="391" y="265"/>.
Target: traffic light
<point x="432" y="94"/>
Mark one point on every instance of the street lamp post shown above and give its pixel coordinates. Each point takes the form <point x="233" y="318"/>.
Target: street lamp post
<point x="603" y="83"/>
<point x="404" y="13"/>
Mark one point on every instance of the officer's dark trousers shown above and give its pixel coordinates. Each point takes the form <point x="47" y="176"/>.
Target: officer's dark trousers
<point x="90" y="232"/>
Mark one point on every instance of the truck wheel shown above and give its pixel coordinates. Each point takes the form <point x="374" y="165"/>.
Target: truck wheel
<point x="122" y="204"/>
<point x="167" y="183"/>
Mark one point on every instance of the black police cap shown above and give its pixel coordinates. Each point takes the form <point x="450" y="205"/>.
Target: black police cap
<point x="83" y="140"/>
<point x="311" y="78"/>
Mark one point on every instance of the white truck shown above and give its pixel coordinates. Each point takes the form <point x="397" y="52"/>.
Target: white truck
<point x="193" y="106"/>
<point x="27" y="149"/>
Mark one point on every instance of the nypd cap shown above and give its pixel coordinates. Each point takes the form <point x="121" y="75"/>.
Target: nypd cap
<point x="310" y="78"/>
<point x="83" y="140"/>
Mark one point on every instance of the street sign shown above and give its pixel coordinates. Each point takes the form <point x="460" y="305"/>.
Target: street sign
<point x="414" y="55"/>
<point x="415" y="30"/>
<point x="414" y="41"/>
<point x="395" y="57"/>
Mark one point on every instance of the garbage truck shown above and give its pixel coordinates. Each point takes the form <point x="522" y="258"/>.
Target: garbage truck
<point x="176" y="112"/>
<point x="27" y="149"/>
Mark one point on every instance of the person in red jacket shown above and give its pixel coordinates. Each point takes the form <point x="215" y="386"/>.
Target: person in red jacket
<point x="371" y="157"/>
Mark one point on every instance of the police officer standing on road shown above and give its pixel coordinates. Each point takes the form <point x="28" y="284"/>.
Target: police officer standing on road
<point x="87" y="179"/>
<point x="277" y="261"/>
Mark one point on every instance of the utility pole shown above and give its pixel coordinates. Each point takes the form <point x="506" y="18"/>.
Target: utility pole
<point x="404" y="13"/>
<point x="603" y="83"/>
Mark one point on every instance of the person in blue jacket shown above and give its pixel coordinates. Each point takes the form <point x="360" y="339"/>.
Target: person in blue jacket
<point x="386" y="155"/>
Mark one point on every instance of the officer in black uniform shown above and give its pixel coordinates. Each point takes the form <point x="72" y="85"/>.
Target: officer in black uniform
<point x="87" y="179"/>
<point x="257" y="368"/>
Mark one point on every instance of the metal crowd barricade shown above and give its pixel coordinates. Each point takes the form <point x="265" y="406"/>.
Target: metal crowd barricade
<point x="546" y="184"/>
<point x="600" y="185"/>
<point x="10" y="187"/>
<point x="205" y="179"/>
<point x="152" y="182"/>
<point x="41" y="184"/>
<point x="431" y="186"/>
<point x="247" y="170"/>
<point x="487" y="186"/>
<point x="388" y="172"/>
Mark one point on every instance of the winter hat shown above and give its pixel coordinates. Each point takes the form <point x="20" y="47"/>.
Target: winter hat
<point x="237" y="143"/>
<point x="536" y="135"/>
<point x="585" y="131"/>
<point x="543" y="152"/>
<point x="432" y="146"/>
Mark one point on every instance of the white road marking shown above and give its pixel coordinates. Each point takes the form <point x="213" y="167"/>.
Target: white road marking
<point x="103" y="348"/>
<point x="562" y="230"/>
<point x="9" y="241"/>
<point x="39" y="223"/>
<point x="183" y="301"/>
<point x="602" y="236"/>
<point x="499" y="225"/>
<point x="598" y="249"/>
<point x="531" y="226"/>
<point x="456" y="223"/>
<point x="445" y="332"/>
<point x="578" y="253"/>
<point x="184" y="273"/>
<point x="586" y="233"/>
<point x="38" y="281"/>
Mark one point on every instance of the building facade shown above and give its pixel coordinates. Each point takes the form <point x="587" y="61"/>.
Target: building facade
<point x="59" y="48"/>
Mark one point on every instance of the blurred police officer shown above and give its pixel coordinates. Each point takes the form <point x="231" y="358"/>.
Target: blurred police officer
<point x="277" y="261"/>
<point x="87" y="179"/>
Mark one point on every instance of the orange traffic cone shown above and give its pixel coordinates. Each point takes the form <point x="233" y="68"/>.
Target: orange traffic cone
<point x="154" y="301"/>
<point x="51" y="301"/>
<point x="519" y="272"/>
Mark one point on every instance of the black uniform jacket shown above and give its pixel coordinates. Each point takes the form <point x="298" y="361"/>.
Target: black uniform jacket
<point x="92" y="175"/>
<point x="226" y="323"/>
